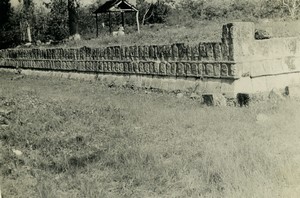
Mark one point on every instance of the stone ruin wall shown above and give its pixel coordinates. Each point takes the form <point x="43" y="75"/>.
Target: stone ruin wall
<point x="213" y="60"/>
<point x="263" y="65"/>
<point x="236" y="64"/>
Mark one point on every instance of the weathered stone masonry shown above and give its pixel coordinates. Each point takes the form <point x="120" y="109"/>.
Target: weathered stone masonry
<point x="228" y="67"/>
<point x="203" y="60"/>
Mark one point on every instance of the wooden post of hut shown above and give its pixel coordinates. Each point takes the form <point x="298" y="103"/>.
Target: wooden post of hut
<point x="117" y="6"/>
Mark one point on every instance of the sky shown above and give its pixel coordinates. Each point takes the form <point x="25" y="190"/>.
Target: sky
<point x="39" y="2"/>
<point x="84" y="2"/>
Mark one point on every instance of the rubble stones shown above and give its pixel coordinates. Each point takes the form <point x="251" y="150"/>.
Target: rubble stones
<point x="214" y="100"/>
<point x="275" y="95"/>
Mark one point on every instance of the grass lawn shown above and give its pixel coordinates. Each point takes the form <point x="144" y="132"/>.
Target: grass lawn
<point x="82" y="139"/>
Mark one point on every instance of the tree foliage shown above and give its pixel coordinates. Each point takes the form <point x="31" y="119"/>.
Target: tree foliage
<point x="57" y="24"/>
<point x="57" y="19"/>
<point x="292" y="6"/>
<point x="73" y="16"/>
<point x="5" y="12"/>
<point x="9" y="32"/>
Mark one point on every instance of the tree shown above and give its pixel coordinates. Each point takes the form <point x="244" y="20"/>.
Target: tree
<point x="5" y="12"/>
<point x="9" y="34"/>
<point x="57" y="19"/>
<point x="73" y="16"/>
<point x="26" y="18"/>
<point x="194" y="8"/>
<point x="292" y="6"/>
<point x="154" y="12"/>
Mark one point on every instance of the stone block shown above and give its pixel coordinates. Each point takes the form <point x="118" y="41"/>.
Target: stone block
<point x="188" y="52"/>
<point x="88" y="53"/>
<point x="181" y="51"/>
<point x="141" y="52"/>
<point x="141" y="68"/>
<point x="109" y="67"/>
<point x="63" y="65"/>
<point x="175" y="52"/>
<point x="90" y="66"/>
<point x="217" y="70"/>
<point x="100" y="66"/>
<point x="122" y="53"/>
<point x="152" y="53"/>
<point x="162" y="68"/>
<point x="131" y="67"/>
<point x="217" y="51"/>
<point x="135" y="67"/>
<point x="173" y="68"/>
<point x="135" y="52"/>
<point x="209" y="70"/>
<point x="120" y="81"/>
<point x="93" y="54"/>
<point x="113" y="66"/>
<point x="202" y="51"/>
<point x="80" y="66"/>
<point x="169" y="69"/>
<point x="147" y="67"/>
<point x="243" y="99"/>
<point x="76" y="54"/>
<point x="156" y="66"/>
<point x="224" y="70"/>
<point x="168" y="52"/>
<point x="192" y="69"/>
<point x="146" y="52"/>
<point x="82" y="53"/>
<point x="102" y="52"/>
<point x="105" y="53"/>
<point x="214" y="100"/>
<point x="160" y="52"/>
<point x="151" y="67"/>
<point x="120" y="67"/>
<point x="210" y="51"/>
<point x="276" y="95"/>
<point x="126" y="67"/>
<point x="117" y="54"/>
<point x="232" y="70"/>
<point x="59" y="54"/>
<point x="116" y="67"/>
<point x="181" y="71"/>
<point x="131" y="52"/>
<point x="195" y="53"/>
<point x="188" y="68"/>
<point x="70" y="65"/>
<point x="109" y="51"/>
<point x="104" y="66"/>
<point x="146" y="82"/>
<point x="179" y="84"/>
<point x="44" y="54"/>
<point x="227" y="87"/>
<point x="241" y="31"/>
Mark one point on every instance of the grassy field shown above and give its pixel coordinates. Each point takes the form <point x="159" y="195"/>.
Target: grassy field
<point x="82" y="139"/>
<point x="192" y="32"/>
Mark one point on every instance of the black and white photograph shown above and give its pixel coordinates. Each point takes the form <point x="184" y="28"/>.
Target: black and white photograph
<point x="149" y="98"/>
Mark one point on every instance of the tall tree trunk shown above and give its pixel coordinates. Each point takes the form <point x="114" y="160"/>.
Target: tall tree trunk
<point x="27" y="14"/>
<point x="73" y="17"/>
<point x="28" y="32"/>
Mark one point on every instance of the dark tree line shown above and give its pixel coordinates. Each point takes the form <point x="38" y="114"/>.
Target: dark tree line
<point x="60" y="19"/>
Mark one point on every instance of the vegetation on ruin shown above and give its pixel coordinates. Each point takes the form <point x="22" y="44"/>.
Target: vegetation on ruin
<point x="84" y="139"/>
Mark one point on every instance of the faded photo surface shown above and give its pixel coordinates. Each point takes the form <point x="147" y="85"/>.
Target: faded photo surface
<point x="142" y="98"/>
